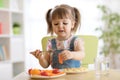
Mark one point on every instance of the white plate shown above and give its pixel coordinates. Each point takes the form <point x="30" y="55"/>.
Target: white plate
<point x="72" y="72"/>
<point x="39" y="76"/>
<point x="75" y="70"/>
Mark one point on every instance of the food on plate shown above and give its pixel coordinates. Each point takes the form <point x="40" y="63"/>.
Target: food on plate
<point x="75" y="70"/>
<point x="34" y="71"/>
<point x="55" y="71"/>
<point x="39" y="72"/>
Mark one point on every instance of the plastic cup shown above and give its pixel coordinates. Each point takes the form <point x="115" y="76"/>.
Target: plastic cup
<point x="101" y="66"/>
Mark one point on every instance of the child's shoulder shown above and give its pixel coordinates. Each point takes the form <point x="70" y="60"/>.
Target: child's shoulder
<point x="75" y="37"/>
<point x="78" y="39"/>
<point x="51" y="38"/>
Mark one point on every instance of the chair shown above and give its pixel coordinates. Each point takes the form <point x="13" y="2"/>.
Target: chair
<point x="90" y="43"/>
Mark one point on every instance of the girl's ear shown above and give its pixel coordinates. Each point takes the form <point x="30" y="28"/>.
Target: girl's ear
<point x="73" y="24"/>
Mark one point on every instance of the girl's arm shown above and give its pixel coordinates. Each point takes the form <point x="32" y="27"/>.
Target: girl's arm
<point x="44" y="60"/>
<point x="43" y="57"/>
<point x="77" y="54"/>
<point x="46" y="57"/>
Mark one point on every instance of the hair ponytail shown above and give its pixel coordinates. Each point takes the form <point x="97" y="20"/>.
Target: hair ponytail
<point x="49" y="23"/>
<point x="77" y="18"/>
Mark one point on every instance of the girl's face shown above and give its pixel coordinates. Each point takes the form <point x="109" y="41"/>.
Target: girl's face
<point x="62" y="28"/>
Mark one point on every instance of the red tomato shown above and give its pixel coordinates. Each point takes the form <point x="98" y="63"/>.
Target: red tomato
<point x="55" y="71"/>
<point x="43" y="73"/>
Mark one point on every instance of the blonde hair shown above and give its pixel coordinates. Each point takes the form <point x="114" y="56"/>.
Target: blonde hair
<point x="61" y="12"/>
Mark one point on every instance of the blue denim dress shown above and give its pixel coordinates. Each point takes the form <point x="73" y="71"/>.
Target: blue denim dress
<point x="66" y="64"/>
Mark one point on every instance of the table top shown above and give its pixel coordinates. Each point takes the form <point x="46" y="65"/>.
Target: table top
<point x="90" y="75"/>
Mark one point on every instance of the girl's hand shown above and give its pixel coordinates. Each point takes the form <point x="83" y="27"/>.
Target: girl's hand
<point x="66" y="54"/>
<point x="36" y="53"/>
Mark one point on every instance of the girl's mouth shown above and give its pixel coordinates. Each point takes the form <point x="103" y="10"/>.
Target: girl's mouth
<point x="61" y="30"/>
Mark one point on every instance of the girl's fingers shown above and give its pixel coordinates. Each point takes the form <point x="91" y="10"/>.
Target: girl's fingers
<point x="36" y="53"/>
<point x="62" y="56"/>
<point x="31" y="52"/>
<point x="66" y="55"/>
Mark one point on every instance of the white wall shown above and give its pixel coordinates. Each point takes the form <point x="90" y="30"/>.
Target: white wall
<point x="36" y="26"/>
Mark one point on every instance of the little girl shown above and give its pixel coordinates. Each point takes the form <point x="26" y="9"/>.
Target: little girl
<point x="63" y="20"/>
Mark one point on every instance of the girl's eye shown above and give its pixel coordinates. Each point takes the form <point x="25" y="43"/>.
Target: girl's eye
<point x="56" y="24"/>
<point x="65" y="23"/>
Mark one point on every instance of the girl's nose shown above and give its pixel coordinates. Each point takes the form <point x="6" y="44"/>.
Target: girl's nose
<point x="60" y="25"/>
